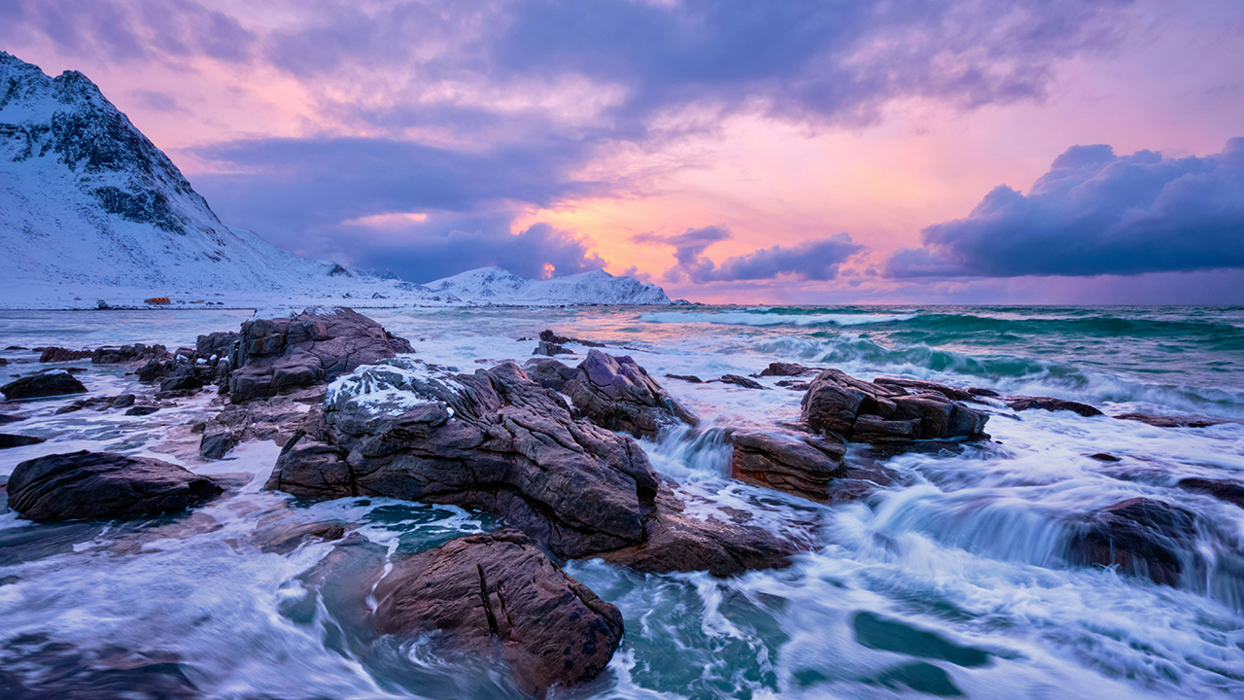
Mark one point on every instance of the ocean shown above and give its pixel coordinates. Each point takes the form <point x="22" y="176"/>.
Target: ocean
<point x="952" y="581"/>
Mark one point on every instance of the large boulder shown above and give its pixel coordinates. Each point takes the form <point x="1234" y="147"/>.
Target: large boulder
<point x="847" y="408"/>
<point x="1141" y="536"/>
<point x="492" y="441"/>
<point x="56" y="382"/>
<point x="102" y="485"/>
<point x="282" y="355"/>
<point x="615" y="393"/>
<point x="498" y="597"/>
<point x="795" y="464"/>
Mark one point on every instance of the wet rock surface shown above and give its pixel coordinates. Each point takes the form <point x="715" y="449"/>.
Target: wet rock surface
<point x="277" y="356"/>
<point x="548" y="336"/>
<point x="63" y="355"/>
<point x="1175" y="421"/>
<point x="43" y="385"/>
<point x="102" y="485"/>
<point x="1222" y="489"/>
<point x="1045" y="403"/>
<point x="1141" y="536"/>
<point x="124" y="354"/>
<point x="786" y="369"/>
<point x="847" y="408"/>
<point x="548" y="349"/>
<point x="275" y="419"/>
<point x="616" y="394"/>
<point x="804" y="466"/>
<point x="498" y="595"/>
<point x="7" y="440"/>
<point x="739" y="381"/>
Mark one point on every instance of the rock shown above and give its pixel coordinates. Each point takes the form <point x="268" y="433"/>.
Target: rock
<point x="7" y="440"/>
<point x="63" y="355"/>
<point x="277" y="356"/>
<point x="1222" y="489"/>
<point x="549" y="373"/>
<point x="988" y="393"/>
<point x="677" y="542"/>
<point x="922" y="386"/>
<point x="1104" y="457"/>
<point x="847" y="408"/>
<point x="285" y="537"/>
<point x="1141" y="536"/>
<point x="276" y="419"/>
<point x="308" y="468"/>
<point x="1045" y="403"/>
<point x="551" y="349"/>
<point x="493" y="441"/>
<point x="785" y="369"/>
<point x="794" y="385"/>
<point x="791" y="464"/>
<point x="1175" y="421"/>
<point x="3" y="362"/>
<point x="128" y="353"/>
<point x="739" y="381"/>
<point x="96" y="486"/>
<point x="217" y="345"/>
<point x="617" y="394"/>
<point x="122" y="401"/>
<point x="549" y="336"/>
<point x="142" y="410"/>
<point x="42" y="385"/>
<point x="15" y="347"/>
<point x="4" y="418"/>
<point x="686" y="378"/>
<point x="498" y="595"/>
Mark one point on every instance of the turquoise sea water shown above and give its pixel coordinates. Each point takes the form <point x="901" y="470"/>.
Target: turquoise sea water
<point x="952" y="582"/>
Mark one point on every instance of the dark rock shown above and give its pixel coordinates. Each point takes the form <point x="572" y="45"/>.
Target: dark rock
<point x="1222" y="489"/>
<point x="616" y="393"/>
<point x="285" y="538"/>
<point x="42" y="385"/>
<point x="677" y="542"/>
<point x="785" y="369"/>
<point x="1045" y="403"/>
<point x="3" y="362"/>
<point x="550" y="349"/>
<point x="498" y="595"/>
<point x="63" y="355"/>
<point x="122" y="401"/>
<point x="922" y="386"/>
<point x="308" y="468"/>
<point x="181" y="382"/>
<point x="686" y="378"/>
<point x="15" y="347"/>
<point x="10" y="419"/>
<point x="217" y="345"/>
<point x="142" y="410"/>
<point x="492" y="441"/>
<point x="7" y="440"/>
<point x="94" y="486"/>
<point x="1104" y="457"/>
<point x="988" y="393"/>
<point x="787" y="463"/>
<point x="1141" y="536"/>
<point x="128" y="354"/>
<point x="851" y="409"/>
<point x="739" y="381"/>
<point x="549" y="373"/>
<point x="275" y="419"/>
<point x="549" y="336"/>
<point x="277" y="356"/>
<point x="216" y="445"/>
<point x="1175" y="421"/>
<point x="794" y="385"/>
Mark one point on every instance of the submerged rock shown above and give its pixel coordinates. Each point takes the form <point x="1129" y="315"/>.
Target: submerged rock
<point x="1142" y="536"/>
<point x="740" y="381"/>
<point x="791" y="464"/>
<point x="1222" y="489"/>
<point x="56" y="382"/>
<point x="1045" y="403"/>
<point x="498" y="595"/>
<point x="7" y="440"/>
<point x="281" y="355"/>
<point x="691" y="378"/>
<point x="102" y="485"/>
<point x="851" y="409"/>
<point x="1174" y="421"/>
<point x="5" y="418"/>
<point x="615" y="393"/>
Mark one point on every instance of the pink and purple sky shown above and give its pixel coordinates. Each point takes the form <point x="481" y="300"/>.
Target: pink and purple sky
<point x="990" y="151"/>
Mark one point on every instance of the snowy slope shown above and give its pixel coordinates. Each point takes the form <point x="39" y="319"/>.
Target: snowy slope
<point x="90" y="209"/>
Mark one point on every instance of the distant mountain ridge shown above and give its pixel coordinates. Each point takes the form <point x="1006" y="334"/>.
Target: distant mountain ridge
<point x="90" y="206"/>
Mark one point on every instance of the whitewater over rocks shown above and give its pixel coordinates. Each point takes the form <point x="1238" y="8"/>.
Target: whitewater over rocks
<point x="565" y="498"/>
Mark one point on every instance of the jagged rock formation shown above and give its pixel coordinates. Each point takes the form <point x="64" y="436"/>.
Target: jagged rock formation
<point x="802" y="465"/>
<point x="614" y="392"/>
<point x="102" y="485"/>
<point x="854" y="410"/>
<point x="1045" y="403"/>
<point x="498" y="595"/>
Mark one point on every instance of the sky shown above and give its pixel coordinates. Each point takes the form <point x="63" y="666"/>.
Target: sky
<point x="840" y="151"/>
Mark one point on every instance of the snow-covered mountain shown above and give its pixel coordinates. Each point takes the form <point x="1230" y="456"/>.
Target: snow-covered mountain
<point x="91" y="209"/>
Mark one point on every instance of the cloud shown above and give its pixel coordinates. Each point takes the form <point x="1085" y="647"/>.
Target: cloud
<point x="155" y="101"/>
<point x="816" y="259"/>
<point x="423" y="256"/>
<point x="1096" y="213"/>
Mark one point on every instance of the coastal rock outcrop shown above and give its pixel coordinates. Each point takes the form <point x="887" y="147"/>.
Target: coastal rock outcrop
<point x="123" y="354"/>
<point x="842" y="406"/>
<point x="498" y="595"/>
<point x="1046" y="403"/>
<point x="102" y="485"/>
<point x="1141" y="536"/>
<point x="54" y="354"/>
<point x="281" y="355"/>
<point x="55" y="382"/>
<point x="615" y="393"/>
<point x="801" y="465"/>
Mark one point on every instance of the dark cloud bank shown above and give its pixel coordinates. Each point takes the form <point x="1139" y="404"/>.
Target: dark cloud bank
<point x="817" y="259"/>
<point x="1097" y="213"/>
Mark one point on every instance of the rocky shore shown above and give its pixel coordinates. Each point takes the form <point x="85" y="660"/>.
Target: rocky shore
<point x="548" y="449"/>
